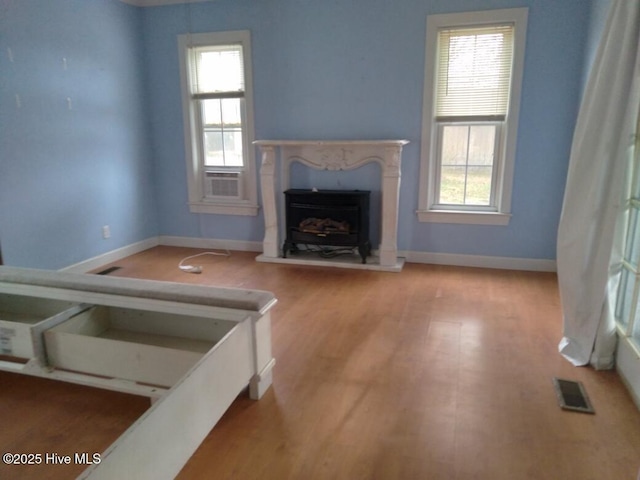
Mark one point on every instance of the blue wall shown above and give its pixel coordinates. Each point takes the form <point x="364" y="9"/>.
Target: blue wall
<point x="322" y="70"/>
<point x="64" y="173"/>
<point x="340" y="70"/>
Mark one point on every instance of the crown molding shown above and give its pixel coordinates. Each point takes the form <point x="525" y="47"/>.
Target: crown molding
<point x="158" y="3"/>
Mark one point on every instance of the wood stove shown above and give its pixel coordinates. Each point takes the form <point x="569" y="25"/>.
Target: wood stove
<point x="327" y="218"/>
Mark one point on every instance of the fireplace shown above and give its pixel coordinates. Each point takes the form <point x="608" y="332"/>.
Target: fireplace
<point x="327" y="218"/>
<point x="333" y="155"/>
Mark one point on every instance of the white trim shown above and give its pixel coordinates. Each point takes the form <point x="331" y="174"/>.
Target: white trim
<point x="112" y="256"/>
<point x="222" y="209"/>
<point x="428" y="150"/>
<point x="213" y="243"/>
<point x="158" y="3"/>
<point x="480" y="261"/>
<point x="628" y="367"/>
<point x="197" y="203"/>
<point x="450" y="259"/>
<point x="470" y="218"/>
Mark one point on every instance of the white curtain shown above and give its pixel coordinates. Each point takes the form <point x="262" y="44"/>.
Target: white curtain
<point x="593" y="214"/>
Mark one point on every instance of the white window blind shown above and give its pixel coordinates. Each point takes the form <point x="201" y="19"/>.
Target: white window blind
<point x="217" y="72"/>
<point x="474" y="73"/>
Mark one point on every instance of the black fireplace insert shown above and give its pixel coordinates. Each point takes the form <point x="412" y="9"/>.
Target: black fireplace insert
<point x="327" y="218"/>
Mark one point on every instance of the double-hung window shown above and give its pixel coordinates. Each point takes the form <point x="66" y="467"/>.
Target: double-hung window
<point x="470" y="112"/>
<point x="627" y="311"/>
<point x="217" y="105"/>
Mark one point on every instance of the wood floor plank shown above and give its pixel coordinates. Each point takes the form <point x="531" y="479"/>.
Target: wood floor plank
<point x="432" y="373"/>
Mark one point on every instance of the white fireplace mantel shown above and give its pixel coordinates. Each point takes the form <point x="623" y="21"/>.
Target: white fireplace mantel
<point x="332" y="155"/>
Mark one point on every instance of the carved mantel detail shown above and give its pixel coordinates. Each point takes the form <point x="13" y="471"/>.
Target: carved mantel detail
<point x="332" y="155"/>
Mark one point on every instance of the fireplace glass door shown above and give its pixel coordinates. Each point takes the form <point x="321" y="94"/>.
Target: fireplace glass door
<point x="327" y="221"/>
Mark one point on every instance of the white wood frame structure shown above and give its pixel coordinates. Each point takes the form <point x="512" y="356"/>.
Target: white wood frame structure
<point x="48" y="327"/>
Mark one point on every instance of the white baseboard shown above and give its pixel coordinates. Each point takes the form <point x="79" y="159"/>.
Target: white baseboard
<point x="503" y="263"/>
<point x="112" y="256"/>
<point x="213" y="243"/>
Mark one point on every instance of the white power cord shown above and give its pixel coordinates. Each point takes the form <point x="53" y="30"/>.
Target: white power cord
<point x="198" y="268"/>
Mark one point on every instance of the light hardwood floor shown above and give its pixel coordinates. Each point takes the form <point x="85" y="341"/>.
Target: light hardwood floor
<point x="432" y="373"/>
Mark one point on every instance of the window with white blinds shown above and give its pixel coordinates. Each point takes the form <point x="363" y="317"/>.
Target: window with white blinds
<point x="474" y="65"/>
<point x="217" y="97"/>
<point x="217" y="71"/>
<point x="474" y="72"/>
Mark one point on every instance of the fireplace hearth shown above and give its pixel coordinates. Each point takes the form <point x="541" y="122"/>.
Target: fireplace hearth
<point x="327" y="219"/>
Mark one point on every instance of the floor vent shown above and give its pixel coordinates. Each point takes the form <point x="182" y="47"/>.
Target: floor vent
<point x="107" y="271"/>
<point x="572" y="396"/>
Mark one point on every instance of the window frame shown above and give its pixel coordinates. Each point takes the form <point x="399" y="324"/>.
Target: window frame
<point x="439" y="127"/>
<point x="629" y="265"/>
<point x="198" y="200"/>
<point x="429" y="210"/>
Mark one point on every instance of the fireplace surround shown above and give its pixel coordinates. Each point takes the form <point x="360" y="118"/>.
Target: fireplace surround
<point x="277" y="157"/>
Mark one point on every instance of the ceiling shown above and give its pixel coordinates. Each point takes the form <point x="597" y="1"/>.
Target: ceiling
<point x="156" y="3"/>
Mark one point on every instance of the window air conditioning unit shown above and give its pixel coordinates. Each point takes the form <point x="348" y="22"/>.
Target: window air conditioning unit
<point x="223" y="184"/>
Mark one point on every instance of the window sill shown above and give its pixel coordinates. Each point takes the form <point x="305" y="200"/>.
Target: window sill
<point x="460" y="217"/>
<point x="243" y="208"/>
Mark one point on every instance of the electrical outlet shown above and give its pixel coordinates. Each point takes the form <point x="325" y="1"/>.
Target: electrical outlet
<point x="106" y="232"/>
